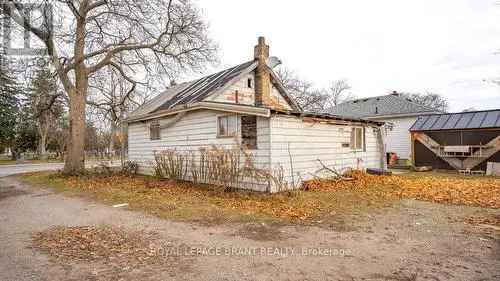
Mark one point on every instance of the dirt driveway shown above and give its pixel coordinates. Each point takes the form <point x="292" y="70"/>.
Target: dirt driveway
<point x="411" y="240"/>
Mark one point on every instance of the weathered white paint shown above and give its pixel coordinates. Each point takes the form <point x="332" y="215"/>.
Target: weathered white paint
<point x="303" y="143"/>
<point x="275" y="93"/>
<point x="398" y="139"/>
<point x="196" y="130"/>
<point x="278" y="137"/>
<point x="246" y="95"/>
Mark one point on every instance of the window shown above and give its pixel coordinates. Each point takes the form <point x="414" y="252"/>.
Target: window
<point x="249" y="82"/>
<point x="154" y="130"/>
<point x="226" y="126"/>
<point x="249" y="131"/>
<point x="357" y="138"/>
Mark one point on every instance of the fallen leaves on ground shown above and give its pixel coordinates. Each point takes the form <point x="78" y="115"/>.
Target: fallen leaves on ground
<point x="207" y="204"/>
<point x="474" y="191"/>
<point x="97" y="243"/>
<point x="492" y="221"/>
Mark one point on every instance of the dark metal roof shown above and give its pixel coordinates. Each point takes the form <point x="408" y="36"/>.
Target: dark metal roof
<point x="392" y="104"/>
<point x="458" y="121"/>
<point x="199" y="89"/>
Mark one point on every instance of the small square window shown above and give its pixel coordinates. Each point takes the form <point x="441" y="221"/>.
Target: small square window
<point x="154" y="130"/>
<point x="249" y="82"/>
<point x="226" y="126"/>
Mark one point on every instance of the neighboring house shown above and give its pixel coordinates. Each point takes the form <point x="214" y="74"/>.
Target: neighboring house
<point x="461" y="141"/>
<point x="397" y="111"/>
<point x="246" y="106"/>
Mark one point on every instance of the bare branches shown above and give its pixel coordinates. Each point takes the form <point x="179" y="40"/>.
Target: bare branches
<point x="429" y="99"/>
<point x="310" y="98"/>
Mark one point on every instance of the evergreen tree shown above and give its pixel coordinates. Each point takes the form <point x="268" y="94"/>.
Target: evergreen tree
<point x="9" y="108"/>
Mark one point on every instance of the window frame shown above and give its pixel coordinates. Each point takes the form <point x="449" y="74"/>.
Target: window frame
<point x="227" y="135"/>
<point x="246" y="145"/>
<point x="354" y="139"/>
<point x="155" y="125"/>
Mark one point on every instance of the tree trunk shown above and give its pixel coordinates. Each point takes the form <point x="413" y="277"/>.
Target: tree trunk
<point x="112" y="138"/>
<point x="42" y="145"/>
<point x="42" y="130"/>
<point x="75" y="159"/>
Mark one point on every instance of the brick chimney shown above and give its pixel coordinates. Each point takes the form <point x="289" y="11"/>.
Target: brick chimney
<point x="262" y="74"/>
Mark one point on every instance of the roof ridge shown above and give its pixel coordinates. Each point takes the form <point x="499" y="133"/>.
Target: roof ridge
<point x="417" y="103"/>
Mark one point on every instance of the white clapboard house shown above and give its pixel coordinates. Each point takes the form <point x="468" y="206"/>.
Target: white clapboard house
<point x="396" y="110"/>
<point x="246" y="106"/>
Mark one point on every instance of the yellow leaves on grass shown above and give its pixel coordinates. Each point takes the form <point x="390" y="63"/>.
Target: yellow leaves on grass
<point x="473" y="191"/>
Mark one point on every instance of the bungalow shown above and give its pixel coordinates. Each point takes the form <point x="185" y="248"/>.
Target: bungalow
<point x="396" y="110"/>
<point x="247" y="107"/>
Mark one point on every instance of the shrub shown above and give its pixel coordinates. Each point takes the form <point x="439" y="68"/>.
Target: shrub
<point x="130" y="168"/>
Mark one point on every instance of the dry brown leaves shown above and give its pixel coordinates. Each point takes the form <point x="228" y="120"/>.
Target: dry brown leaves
<point x="167" y="191"/>
<point x="97" y="243"/>
<point x="483" y="192"/>
<point x="492" y="220"/>
<point x="162" y="197"/>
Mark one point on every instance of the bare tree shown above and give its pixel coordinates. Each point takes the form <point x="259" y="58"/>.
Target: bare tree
<point x="429" y="99"/>
<point x="302" y="91"/>
<point x="313" y="99"/>
<point x="136" y="38"/>
<point x="110" y="97"/>
<point x="338" y="92"/>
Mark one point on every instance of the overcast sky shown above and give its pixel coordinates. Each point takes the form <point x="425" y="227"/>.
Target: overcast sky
<point x="443" y="46"/>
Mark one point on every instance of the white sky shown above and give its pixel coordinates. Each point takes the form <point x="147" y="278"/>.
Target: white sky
<point x="444" y="46"/>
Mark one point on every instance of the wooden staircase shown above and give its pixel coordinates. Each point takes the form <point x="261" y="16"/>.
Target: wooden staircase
<point x="461" y="162"/>
<point x="492" y="147"/>
<point x="433" y="146"/>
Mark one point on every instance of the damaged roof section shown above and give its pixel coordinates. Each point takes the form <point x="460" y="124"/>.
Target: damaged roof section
<point x="328" y="116"/>
<point x="458" y="121"/>
<point x="199" y="89"/>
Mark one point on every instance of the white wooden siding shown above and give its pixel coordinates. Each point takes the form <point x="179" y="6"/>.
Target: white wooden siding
<point x="307" y="142"/>
<point x="398" y="140"/>
<point x="276" y="136"/>
<point x="246" y="95"/>
<point x="198" y="129"/>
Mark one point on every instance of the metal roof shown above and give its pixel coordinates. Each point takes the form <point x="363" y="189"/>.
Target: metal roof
<point x="197" y="90"/>
<point x="201" y="88"/>
<point x="458" y="121"/>
<point x="388" y="105"/>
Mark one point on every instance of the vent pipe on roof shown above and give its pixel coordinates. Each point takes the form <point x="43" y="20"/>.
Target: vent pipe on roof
<point x="395" y="93"/>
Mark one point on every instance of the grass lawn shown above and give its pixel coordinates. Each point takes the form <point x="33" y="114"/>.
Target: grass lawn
<point x="322" y="201"/>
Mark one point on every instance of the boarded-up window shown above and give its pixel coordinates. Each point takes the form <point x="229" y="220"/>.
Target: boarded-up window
<point x="357" y="138"/>
<point x="249" y="131"/>
<point x="226" y="126"/>
<point x="154" y="130"/>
